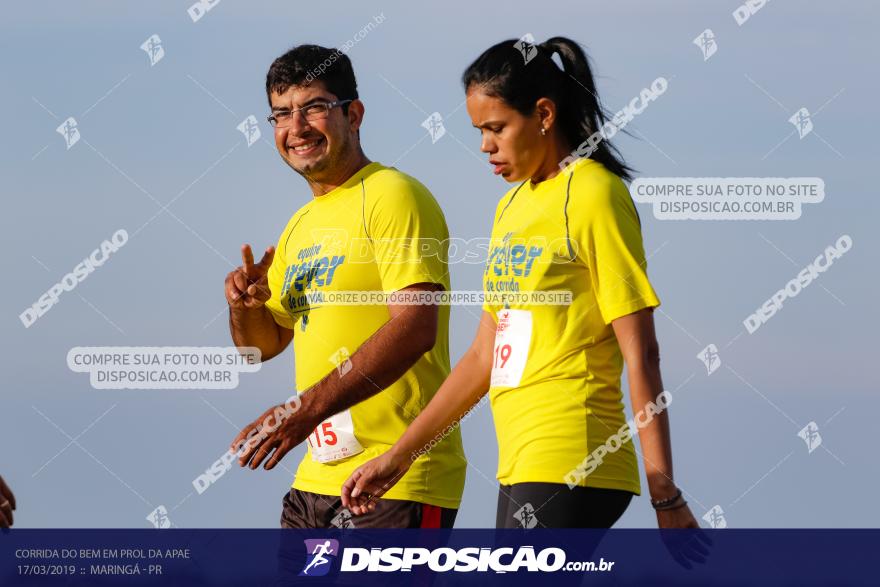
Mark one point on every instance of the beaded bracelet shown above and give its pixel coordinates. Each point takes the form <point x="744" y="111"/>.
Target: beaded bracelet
<point x="672" y="507"/>
<point x="663" y="504"/>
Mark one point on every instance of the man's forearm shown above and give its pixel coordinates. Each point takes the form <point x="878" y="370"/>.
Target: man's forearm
<point x="255" y="327"/>
<point x="378" y="363"/>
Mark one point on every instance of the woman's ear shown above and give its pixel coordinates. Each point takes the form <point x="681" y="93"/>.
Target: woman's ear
<point x="546" y="111"/>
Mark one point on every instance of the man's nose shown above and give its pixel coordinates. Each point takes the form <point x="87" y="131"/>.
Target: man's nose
<point x="298" y="123"/>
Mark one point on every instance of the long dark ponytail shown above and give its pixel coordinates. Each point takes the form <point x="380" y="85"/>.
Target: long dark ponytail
<point x="505" y="72"/>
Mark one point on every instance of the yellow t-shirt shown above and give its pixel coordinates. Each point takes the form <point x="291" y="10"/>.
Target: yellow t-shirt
<point x="557" y="394"/>
<point x="381" y="231"/>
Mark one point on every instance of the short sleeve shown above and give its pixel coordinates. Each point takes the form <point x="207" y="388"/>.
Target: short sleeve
<point x="606" y="227"/>
<point x="276" y="284"/>
<point x="409" y="235"/>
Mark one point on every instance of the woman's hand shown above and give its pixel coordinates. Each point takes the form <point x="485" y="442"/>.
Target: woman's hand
<point x="687" y="548"/>
<point x="676" y="518"/>
<point x="371" y="480"/>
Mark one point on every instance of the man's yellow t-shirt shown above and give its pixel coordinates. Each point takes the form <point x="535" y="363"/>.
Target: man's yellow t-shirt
<point x="556" y="393"/>
<point x="380" y="231"/>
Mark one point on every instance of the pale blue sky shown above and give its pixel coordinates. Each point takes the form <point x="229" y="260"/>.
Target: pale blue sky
<point x="151" y="134"/>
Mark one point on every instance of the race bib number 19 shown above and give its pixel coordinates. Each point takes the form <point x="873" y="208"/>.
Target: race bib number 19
<point x="512" y="338"/>
<point x="334" y="439"/>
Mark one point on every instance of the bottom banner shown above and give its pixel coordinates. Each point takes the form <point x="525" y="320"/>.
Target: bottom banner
<point x="438" y="557"/>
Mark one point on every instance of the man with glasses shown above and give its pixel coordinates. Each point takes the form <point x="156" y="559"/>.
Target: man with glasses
<point x="365" y="371"/>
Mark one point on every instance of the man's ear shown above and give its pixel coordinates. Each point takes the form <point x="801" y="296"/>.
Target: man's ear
<point x="355" y="115"/>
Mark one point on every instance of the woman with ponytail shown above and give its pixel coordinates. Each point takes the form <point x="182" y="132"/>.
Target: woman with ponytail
<point x="552" y="370"/>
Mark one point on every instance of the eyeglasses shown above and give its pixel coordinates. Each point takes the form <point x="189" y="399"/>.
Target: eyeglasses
<point x="316" y="111"/>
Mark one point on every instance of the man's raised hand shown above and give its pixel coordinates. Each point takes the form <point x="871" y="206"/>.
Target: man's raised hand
<point x="247" y="287"/>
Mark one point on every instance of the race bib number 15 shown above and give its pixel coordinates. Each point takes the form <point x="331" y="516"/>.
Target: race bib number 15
<point x="512" y="338"/>
<point x="334" y="439"/>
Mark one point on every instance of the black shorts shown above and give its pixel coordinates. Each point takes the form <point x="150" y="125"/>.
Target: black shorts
<point x="554" y="505"/>
<point x="303" y="509"/>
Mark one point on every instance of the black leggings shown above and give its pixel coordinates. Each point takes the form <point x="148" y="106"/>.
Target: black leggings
<point x="554" y="505"/>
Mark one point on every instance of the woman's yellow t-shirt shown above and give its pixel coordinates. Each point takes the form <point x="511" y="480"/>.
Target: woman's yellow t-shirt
<point x="555" y="392"/>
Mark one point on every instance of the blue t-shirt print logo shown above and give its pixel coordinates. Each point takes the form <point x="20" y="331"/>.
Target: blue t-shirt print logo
<point x="321" y="553"/>
<point x="309" y="273"/>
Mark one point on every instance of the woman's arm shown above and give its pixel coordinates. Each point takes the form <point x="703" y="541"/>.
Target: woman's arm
<point x="466" y="384"/>
<point x="638" y="344"/>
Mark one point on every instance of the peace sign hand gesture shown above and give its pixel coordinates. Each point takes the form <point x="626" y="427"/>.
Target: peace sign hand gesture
<point x="247" y="286"/>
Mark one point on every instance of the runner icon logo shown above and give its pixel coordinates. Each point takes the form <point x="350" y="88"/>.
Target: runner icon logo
<point x="810" y="435"/>
<point x="526" y="516"/>
<point x="710" y="358"/>
<point x="321" y="553"/>
<point x="343" y="520"/>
